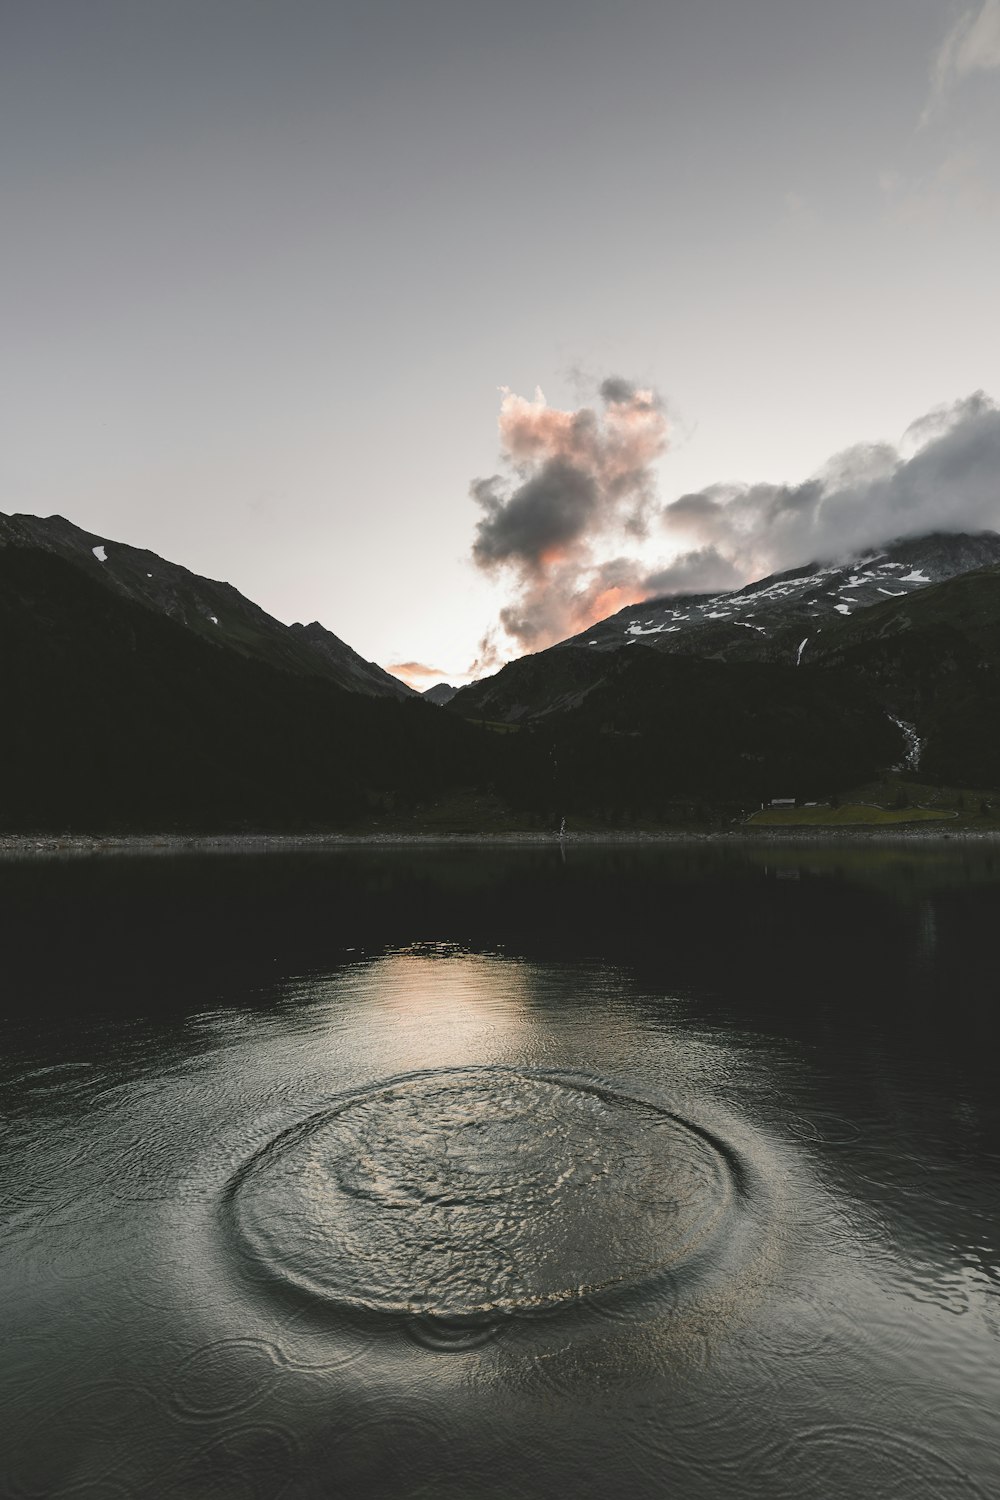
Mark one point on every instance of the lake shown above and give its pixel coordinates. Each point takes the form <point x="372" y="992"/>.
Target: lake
<point x="657" y="1171"/>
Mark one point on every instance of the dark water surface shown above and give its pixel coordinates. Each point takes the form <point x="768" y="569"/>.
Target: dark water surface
<point x="454" y="1173"/>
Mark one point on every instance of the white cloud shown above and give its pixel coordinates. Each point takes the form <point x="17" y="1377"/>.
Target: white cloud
<point x="957" y="186"/>
<point x="971" y="46"/>
<point x="943" y="476"/>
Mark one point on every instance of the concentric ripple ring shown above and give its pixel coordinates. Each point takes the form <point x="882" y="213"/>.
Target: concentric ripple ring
<point x="481" y="1192"/>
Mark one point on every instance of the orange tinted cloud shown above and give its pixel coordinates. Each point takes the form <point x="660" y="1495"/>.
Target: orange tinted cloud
<point x="607" y="602"/>
<point x="414" y="673"/>
<point x="574" y="479"/>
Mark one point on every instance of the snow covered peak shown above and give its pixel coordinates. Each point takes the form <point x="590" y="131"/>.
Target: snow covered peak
<point x="802" y="597"/>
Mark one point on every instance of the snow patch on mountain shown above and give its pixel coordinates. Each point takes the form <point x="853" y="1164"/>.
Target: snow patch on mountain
<point x="802" y="597"/>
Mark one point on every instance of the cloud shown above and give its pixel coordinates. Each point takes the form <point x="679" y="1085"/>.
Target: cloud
<point x="971" y="46"/>
<point x="958" y="185"/>
<point x="944" y="476"/>
<point x="702" y="571"/>
<point x="548" y="514"/>
<point x="417" y="669"/>
<point x="488" y="657"/>
<point x="572" y="479"/>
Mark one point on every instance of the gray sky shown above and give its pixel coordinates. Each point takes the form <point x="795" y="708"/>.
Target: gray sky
<point x="268" y="263"/>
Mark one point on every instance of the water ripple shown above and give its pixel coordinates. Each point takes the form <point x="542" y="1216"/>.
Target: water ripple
<point x="462" y="1197"/>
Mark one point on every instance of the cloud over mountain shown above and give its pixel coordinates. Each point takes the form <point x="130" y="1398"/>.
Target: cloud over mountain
<point x="578" y="479"/>
<point x="573" y="479"/>
<point x="945" y="475"/>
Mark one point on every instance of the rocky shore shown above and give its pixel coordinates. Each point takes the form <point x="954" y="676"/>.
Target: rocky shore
<point x="28" y="845"/>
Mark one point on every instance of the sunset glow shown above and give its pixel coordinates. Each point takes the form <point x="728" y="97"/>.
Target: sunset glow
<point x="578" y="482"/>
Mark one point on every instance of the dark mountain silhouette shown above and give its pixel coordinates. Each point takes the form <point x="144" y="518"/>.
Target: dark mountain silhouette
<point x="658" y="728"/>
<point x="814" y="696"/>
<point x="346" y="667"/>
<point x="117" y="716"/>
<point x="932" y="659"/>
<point x="215" y="611"/>
<point x="794" y="619"/>
<point x="441" y="693"/>
<point x="138" y="702"/>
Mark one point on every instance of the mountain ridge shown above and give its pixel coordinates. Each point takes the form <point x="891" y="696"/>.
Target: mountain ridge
<point x="441" y="693"/>
<point x="778" y="619"/>
<point x="214" y="610"/>
<point x="797" y="596"/>
<point x="139" y="696"/>
<point x="119" y="717"/>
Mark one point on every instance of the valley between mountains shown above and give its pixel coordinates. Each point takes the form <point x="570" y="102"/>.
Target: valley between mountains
<point x="139" y="697"/>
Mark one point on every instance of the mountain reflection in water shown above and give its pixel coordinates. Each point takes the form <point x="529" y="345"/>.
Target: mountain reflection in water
<point x="466" y="1173"/>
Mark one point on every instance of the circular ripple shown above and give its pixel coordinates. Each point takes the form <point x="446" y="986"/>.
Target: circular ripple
<point x="456" y="1194"/>
<point x="841" y="1462"/>
<point x="226" y="1378"/>
<point x="453" y="1334"/>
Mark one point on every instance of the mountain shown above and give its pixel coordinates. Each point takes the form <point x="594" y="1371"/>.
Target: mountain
<point x="793" y="618"/>
<point x="657" y="729"/>
<point x="346" y="667"/>
<point x="772" y="619"/>
<point x="214" y="611"/>
<point x="818" y="693"/>
<point x="441" y="693"/>
<point x="118" y="716"/>
<point x="932" y="659"/>
<point x="138" y="696"/>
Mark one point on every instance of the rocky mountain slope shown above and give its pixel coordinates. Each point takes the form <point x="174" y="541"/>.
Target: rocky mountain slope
<point x="793" y="619"/>
<point x="891" y="661"/>
<point x="657" y="726"/>
<point x="776" y="618"/>
<point x="216" y="612"/>
<point x="346" y="667"/>
<point x="441" y="693"/>
<point x="138" y="696"/>
<point x="933" y="662"/>
<point x="118" y="716"/>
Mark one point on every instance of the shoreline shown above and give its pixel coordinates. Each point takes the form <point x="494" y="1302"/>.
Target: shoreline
<point x="281" y="843"/>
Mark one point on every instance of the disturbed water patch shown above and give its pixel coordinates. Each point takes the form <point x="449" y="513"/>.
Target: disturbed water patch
<point x="462" y="1197"/>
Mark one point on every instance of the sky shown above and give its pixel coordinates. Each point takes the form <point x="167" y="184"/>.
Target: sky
<point x="446" y="323"/>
